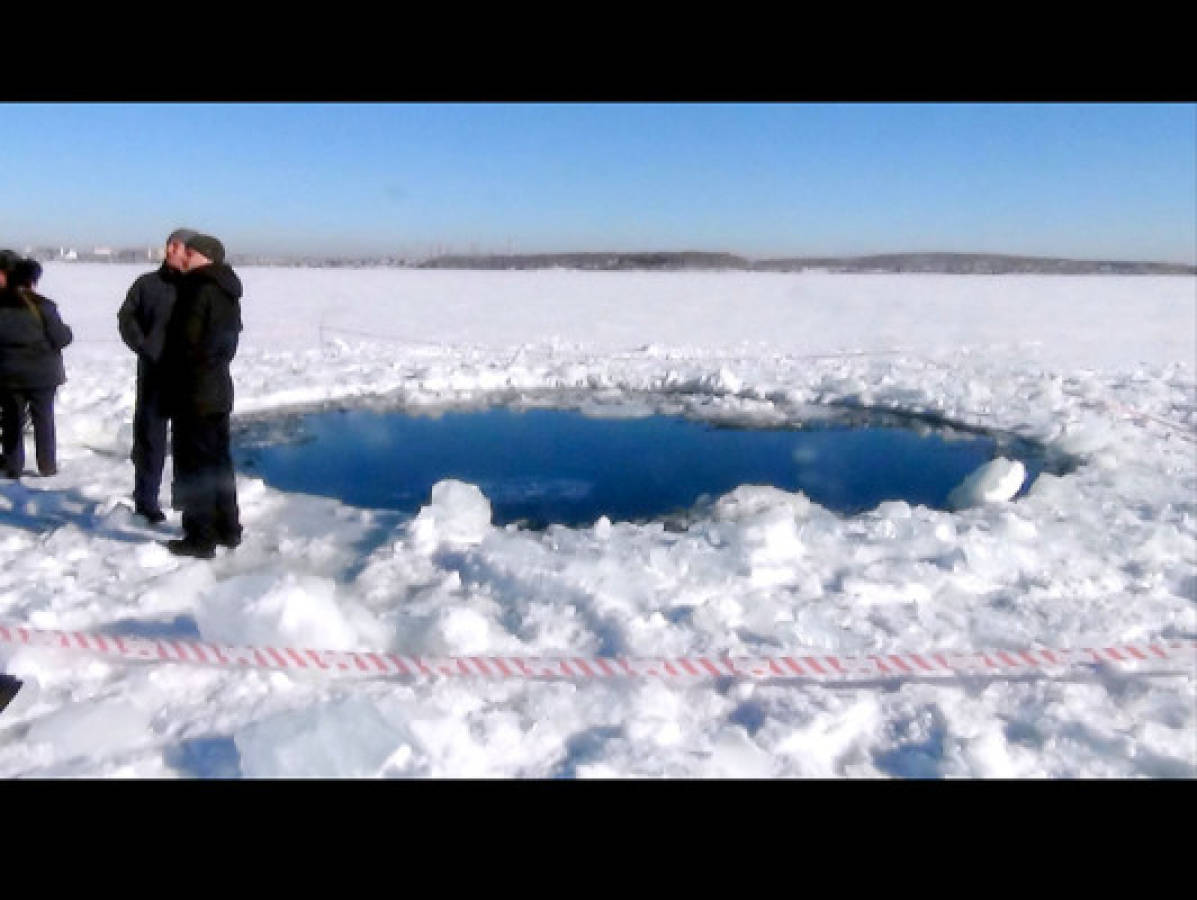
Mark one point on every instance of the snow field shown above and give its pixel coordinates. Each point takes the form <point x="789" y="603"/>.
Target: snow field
<point x="1108" y="552"/>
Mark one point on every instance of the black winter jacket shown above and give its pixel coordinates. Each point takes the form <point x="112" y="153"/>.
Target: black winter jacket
<point x="144" y="315"/>
<point x="32" y="335"/>
<point x="201" y="341"/>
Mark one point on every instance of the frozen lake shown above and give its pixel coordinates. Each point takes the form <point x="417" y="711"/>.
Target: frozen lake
<point x="1093" y="367"/>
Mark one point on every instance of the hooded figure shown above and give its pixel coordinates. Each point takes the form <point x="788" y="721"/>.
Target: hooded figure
<point x="201" y="341"/>
<point x="32" y="335"/>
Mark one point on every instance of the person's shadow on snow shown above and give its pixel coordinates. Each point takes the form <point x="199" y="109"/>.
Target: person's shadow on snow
<point x="41" y="511"/>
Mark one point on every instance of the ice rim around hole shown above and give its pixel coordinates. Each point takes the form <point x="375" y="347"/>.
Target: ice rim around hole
<point x="285" y="425"/>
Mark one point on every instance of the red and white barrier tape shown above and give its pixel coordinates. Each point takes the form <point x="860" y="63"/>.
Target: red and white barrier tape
<point x="1167" y="656"/>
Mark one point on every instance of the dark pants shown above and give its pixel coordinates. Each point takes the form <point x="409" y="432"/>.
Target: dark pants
<point x="205" y="487"/>
<point x="149" y="442"/>
<point x="40" y="404"/>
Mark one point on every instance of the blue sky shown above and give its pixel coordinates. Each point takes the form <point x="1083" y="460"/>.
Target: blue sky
<point x="767" y="179"/>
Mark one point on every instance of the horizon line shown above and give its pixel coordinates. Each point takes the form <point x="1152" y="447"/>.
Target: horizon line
<point x="154" y="253"/>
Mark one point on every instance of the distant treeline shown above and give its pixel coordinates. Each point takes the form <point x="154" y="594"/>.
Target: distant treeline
<point x="946" y="263"/>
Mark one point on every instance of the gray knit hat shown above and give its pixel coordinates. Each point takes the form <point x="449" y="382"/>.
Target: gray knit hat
<point x="182" y="235"/>
<point x="8" y="259"/>
<point x="207" y="245"/>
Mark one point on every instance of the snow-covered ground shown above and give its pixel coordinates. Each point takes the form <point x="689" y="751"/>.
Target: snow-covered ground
<point x="1100" y="366"/>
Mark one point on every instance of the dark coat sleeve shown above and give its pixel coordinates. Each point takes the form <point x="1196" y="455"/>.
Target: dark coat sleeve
<point x="58" y="333"/>
<point x="127" y="319"/>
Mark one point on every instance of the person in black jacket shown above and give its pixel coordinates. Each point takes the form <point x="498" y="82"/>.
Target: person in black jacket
<point x="8" y="259"/>
<point x="142" y="322"/>
<point x="32" y="335"/>
<point x="201" y="341"/>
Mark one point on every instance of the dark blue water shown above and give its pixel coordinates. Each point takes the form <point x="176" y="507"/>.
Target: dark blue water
<point x="545" y="466"/>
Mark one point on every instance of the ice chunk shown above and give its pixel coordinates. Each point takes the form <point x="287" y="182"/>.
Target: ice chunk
<point x="735" y="755"/>
<point x="770" y="546"/>
<point x="276" y="610"/>
<point x="460" y="631"/>
<point x="894" y="511"/>
<point x="92" y="729"/>
<point x="748" y="501"/>
<point x="459" y="513"/>
<point x="997" y="480"/>
<point x="728" y="381"/>
<point x="1086" y="439"/>
<point x="766" y="533"/>
<point x="343" y="739"/>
